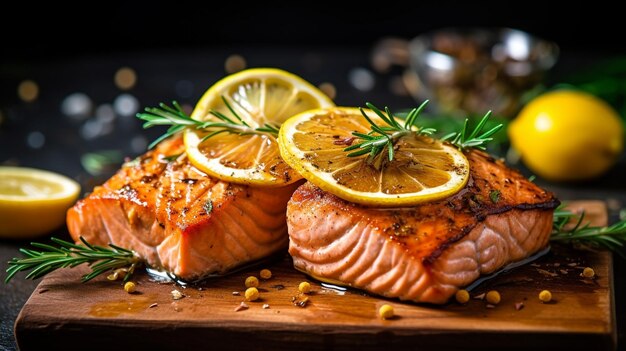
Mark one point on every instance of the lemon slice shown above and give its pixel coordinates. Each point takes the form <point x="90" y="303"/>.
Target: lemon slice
<point x="259" y="96"/>
<point x="32" y="201"/>
<point x="423" y="169"/>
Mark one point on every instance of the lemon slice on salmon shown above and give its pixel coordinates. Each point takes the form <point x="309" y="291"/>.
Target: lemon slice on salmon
<point x="423" y="169"/>
<point x="33" y="201"/>
<point x="260" y="97"/>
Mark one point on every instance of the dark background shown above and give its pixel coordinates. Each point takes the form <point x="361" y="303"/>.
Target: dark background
<point x="44" y="35"/>
<point x="62" y="30"/>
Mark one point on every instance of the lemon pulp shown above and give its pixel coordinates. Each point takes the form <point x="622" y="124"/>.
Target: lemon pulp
<point x="423" y="169"/>
<point x="33" y="201"/>
<point x="259" y="96"/>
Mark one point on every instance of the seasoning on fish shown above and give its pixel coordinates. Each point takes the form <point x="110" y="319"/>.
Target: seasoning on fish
<point x="427" y="252"/>
<point x="155" y="206"/>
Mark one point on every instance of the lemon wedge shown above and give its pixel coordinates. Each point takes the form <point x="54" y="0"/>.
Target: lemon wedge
<point x="259" y="96"/>
<point x="33" y="201"/>
<point x="423" y="169"/>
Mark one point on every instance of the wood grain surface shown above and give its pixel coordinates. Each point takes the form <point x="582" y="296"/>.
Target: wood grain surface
<point x="65" y="314"/>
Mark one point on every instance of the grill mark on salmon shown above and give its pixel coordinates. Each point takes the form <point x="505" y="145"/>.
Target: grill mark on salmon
<point x="427" y="252"/>
<point x="158" y="209"/>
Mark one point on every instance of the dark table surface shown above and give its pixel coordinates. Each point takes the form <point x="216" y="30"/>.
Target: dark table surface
<point x="183" y="76"/>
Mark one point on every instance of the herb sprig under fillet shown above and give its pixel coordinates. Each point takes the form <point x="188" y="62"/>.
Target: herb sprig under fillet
<point x="102" y="259"/>
<point x="582" y="234"/>
<point x="50" y="258"/>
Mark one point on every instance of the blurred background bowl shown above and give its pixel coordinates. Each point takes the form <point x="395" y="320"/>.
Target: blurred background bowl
<point x="473" y="70"/>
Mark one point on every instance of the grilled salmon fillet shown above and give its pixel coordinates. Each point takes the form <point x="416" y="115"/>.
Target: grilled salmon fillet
<point x="427" y="252"/>
<point x="181" y="220"/>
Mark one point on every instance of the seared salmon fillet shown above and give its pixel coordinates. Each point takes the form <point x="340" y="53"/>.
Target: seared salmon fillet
<point x="427" y="252"/>
<point x="179" y="219"/>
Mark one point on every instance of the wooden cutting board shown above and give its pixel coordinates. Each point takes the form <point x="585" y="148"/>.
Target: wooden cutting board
<point x="64" y="314"/>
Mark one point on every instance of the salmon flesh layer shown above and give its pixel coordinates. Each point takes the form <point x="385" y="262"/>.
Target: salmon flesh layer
<point x="181" y="220"/>
<point x="427" y="252"/>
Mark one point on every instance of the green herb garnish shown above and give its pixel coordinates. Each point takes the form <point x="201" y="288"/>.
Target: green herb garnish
<point x="384" y="137"/>
<point x="178" y="120"/>
<point x="208" y="206"/>
<point x="612" y="237"/>
<point x="465" y="140"/>
<point x="100" y="259"/>
<point x="172" y="158"/>
<point x="494" y="195"/>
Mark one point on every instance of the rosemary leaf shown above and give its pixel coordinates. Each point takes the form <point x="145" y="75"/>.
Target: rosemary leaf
<point x="208" y="207"/>
<point x="384" y="137"/>
<point x="178" y="121"/>
<point x="171" y="158"/>
<point x="612" y="237"/>
<point x="494" y="195"/>
<point x="474" y="139"/>
<point x="67" y="254"/>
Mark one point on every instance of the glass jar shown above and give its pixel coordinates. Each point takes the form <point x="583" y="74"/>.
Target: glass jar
<point x="471" y="71"/>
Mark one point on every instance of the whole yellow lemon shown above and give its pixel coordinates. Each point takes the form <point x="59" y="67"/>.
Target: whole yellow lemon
<point x="568" y="135"/>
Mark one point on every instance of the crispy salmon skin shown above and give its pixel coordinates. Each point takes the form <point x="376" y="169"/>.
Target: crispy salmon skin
<point x="179" y="219"/>
<point x="427" y="252"/>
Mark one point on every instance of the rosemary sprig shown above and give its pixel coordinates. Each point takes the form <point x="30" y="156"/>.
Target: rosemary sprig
<point x="384" y="137"/>
<point x="100" y="259"/>
<point x="178" y="120"/>
<point x="464" y="139"/>
<point x="583" y="234"/>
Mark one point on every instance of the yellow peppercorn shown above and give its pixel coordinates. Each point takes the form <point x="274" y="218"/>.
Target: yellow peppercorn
<point x="129" y="287"/>
<point x="462" y="296"/>
<point x="252" y="294"/>
<point x="265" y="273"/>
<point x="588" y="272"/>
<point x="304" y="287"/>
<point x="545" y="296"/>
<point x="385" y="311"/>
<point x="493" y="297"/>
<point x="252" y="282"/>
